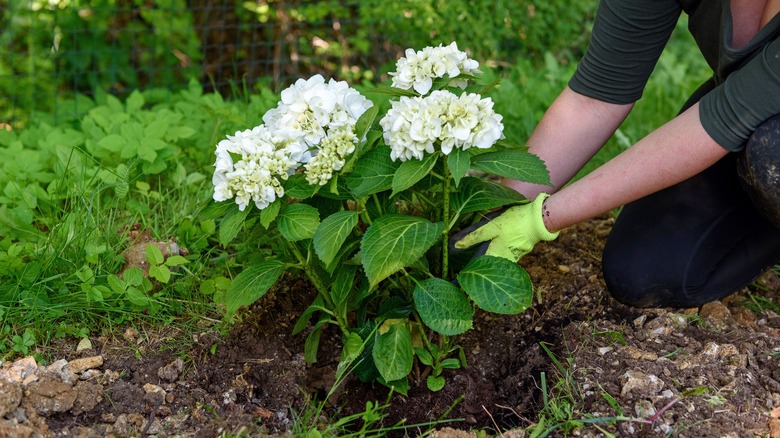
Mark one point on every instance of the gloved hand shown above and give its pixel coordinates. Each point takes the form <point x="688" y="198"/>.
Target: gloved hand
<point x="510" y="233"/>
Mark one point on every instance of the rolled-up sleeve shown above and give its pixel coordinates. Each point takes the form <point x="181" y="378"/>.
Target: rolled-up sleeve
<point x="733" y="110"/>
<point x="628" y="38"/>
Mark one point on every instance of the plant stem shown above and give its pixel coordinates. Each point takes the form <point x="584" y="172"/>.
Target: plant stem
<point x="315" y="280"/>
<point x="445" y="256"/>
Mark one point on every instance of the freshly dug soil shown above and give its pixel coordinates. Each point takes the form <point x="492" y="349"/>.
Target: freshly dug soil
<point x="606" y="368"/>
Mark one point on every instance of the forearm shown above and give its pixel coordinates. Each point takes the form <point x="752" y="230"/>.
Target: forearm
<point x="673" y="153"/>
<point x="571" y="131"/>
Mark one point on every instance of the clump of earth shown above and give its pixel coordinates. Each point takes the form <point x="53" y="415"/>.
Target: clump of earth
<point x="606" y="368"/>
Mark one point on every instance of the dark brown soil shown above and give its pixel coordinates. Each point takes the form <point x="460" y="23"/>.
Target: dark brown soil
<point x="709" y="372"/>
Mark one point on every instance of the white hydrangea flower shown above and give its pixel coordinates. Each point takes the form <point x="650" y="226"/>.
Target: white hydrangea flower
<point x="417" y="125"/>
<point x="418" y="69"/>
<point x="310" y="108"/>
<point x="249" y="165"/>
<point x="332" y="155"/>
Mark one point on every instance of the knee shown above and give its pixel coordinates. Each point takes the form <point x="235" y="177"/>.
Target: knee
<point x="759" y="169"/>
<point x="631" y="281"/>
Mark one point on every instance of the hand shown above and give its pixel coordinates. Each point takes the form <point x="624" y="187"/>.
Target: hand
<point x="510" y="233"/>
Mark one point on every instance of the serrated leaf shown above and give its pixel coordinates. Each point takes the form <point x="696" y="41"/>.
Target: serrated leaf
<point x="342" y="285"/>
<point x="459" y="162"/>
<point x="497" y="285"/>
<point x="135" y="101"/>
<point x="176" y="260"/>
<point x="424" y="356"/>
<point x="443" y="307"/>
<point x="154" y="255"/>
<point x="112" y="142"/>
<point x="332" y="233"/>
<point x="269" y="213"/>
<point x="372" y="173"/>
<point x="147" y="153"/>
<point x="161" y="273"/>
<point x="231" y="225"/>
<point x="298" y="222"/>
<point x="297" y="187"/>
<point x="394" y="242"/>
<point x="476" y="194"/>
<point x="393" y="354"/>
<point x="514" y="164"/>
<point x="251" y="284"/>
<point x="412" y="171"/>
<point x="137" y="298"/>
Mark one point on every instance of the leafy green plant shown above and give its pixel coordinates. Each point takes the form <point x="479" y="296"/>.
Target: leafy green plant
<point x="23" y="342"/>
<point x="372" y="237"/>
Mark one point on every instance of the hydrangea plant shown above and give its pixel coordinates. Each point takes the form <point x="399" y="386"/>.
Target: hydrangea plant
<point x="363" y="206"/>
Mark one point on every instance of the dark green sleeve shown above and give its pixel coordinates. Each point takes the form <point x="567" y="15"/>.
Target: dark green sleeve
<point x="749" y="96"/>
<point x="628" y="38"/>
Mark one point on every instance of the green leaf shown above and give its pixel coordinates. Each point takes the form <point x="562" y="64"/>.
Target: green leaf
<point x="412" y="171"/>
<point x="365" y="121"/>
<point x="298" y="222"/>
<point x="269" y="213"/>
<point x="342" y="286"/>
<point x="306" y="315"/>
<point x="312" y="343"/>
<point x="162" y="273"/>
<point x="459" y="162"/>
<point x="514" y="164"/>
<point x="443" y="307"/>
<point x="435" y="383"/>
<point x="176" y="260"/>
<point x="231" y="225"/>
<point x="137" y="298"/>
<point x="154" y="255"/>
<point x="497" y="285"/>
<point x="394" y="242"/>
<point x="251" y="284"/>
<point x="373" y="172"/>
<point x="332" y="233"/>
<point x="393" y="353"/>
<point x="475" y="194"/>
<point x="133" y="276"/>
<point x="112" y="142"/>
<point x="297" y="187"/>
<point x="424" y="356"/>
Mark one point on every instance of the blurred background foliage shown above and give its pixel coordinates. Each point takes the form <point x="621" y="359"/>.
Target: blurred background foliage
<point x="52" y="50"/>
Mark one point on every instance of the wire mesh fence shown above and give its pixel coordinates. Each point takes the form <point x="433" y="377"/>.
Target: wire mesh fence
<point x="55" y="53"/>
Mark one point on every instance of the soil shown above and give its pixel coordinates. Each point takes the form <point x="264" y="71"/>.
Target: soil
<point x="608" y="369"/>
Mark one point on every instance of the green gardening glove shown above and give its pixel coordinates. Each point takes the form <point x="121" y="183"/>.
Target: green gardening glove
<point x="511" y="233"/>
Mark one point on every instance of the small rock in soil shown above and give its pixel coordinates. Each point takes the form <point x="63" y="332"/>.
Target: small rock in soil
<point x="171" y="372"/>
<point x="12" y="396"/>
<point x="640" y="384"/>
<point x="78" y="366"/>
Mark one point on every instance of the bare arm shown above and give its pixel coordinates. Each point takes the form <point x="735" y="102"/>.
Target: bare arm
<point x="674" y="152"/>
<point x="571" y="131"/>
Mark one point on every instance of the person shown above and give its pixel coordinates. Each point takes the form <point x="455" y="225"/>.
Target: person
<point x="700" y="195"/>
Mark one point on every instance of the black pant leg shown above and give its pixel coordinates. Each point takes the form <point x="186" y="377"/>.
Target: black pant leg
<point x="691" y="243"/>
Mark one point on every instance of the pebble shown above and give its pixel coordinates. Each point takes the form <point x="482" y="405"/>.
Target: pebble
<point x="639" y="383"/>
<point x="78" y="366"/>
<point x="172" y="371"/>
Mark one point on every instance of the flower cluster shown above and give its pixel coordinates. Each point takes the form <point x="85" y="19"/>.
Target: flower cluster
<point x="312" y="126"/>
<point x="261" y="159"/>
<point x="311" y="108"/>
<point x="335" y="147"/>
<point x="418" y="69"/>
<point x="416" y="125"/>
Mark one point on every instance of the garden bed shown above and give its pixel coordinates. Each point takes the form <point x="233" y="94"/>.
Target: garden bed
<point x="604" y="368"/>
